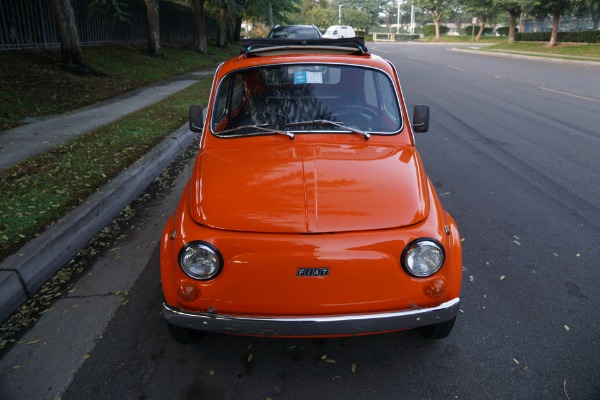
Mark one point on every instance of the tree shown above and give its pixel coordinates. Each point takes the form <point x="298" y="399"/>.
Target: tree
<point x="514" y="9"/>
<point x="361" y="14"/>
<point x="70" y="47"/>
<point x="556" y="8"/>
<point x="436" y="9"/>
<point x="591" y="7"/>
<point x="153" y="20"/>
<point x="199" y="21"/>
<point x="272" y="12"/>
<point x="483" y="10"/>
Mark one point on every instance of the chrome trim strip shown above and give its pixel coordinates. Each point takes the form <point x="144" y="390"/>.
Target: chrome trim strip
<point x="312" y="326"/>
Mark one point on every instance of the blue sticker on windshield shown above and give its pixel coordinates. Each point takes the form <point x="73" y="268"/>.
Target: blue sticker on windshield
<point x="299" y="77"/>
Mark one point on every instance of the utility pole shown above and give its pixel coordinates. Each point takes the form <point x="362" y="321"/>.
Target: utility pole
<point x="398" y="19"/>
<point x="340" y="14"/>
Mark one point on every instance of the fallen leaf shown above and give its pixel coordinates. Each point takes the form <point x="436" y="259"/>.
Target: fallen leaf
<point x="212" y="372"/>
<point x="34" y="342"/>
<point x="516" y="242"/>
<point x="502" y="277"/>
<point x="567" y="328"/>
<point x="324" y="356"/>
<point x="250" y="357"/>
<point x="516" y="361"/>
<point x="555" y="255"/>
<point x="353" y="367"/>
<point x="337" y="377"/>
<point x="16" y="366"/>
<point x="329" y="360"/>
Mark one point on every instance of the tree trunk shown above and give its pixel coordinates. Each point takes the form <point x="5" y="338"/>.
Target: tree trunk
<point x="237" y="34"/>
<point x="437" y="16"/>
<point x="222" y="27"/>
<point x="511" y="27"/>
<point x="481" y="28"/>
<point x="153" y="18"/>
<point x="554" y="35"/>
<point x="70" y="47"/>
<point x="199" y="19"/>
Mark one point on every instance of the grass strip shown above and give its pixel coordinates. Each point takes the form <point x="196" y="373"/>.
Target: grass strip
<point x="37" y="192"/>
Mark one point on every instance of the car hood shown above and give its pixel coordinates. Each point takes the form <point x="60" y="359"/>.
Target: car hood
<point x="308" y="188"/>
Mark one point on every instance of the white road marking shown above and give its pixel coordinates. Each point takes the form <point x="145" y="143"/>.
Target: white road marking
<point x="566" y="94"/>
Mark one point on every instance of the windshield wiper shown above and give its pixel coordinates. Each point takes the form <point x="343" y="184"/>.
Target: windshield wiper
<point x="257" y="127"/>
<point x="325" y="122"/>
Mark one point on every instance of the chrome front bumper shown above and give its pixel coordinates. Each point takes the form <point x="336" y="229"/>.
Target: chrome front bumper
<point x="312" y="326"/>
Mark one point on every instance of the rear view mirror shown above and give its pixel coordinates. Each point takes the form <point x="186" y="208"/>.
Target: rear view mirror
<point x="421" y="118"/>
<point x="196" y="117"/>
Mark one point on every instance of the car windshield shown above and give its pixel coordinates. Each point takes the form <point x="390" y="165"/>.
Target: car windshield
<point x="295" y="32"/>
<point x="306" y="98"/>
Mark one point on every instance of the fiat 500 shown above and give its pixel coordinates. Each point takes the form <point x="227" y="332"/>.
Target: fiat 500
<point x="308" y="212"/>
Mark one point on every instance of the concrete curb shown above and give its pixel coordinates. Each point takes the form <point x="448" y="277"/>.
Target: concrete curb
<point x="22" y="273"/>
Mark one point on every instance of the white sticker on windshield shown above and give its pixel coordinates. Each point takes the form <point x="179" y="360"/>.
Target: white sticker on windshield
<point x="314" y="77"/>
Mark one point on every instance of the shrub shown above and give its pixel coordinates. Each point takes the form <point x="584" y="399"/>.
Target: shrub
<point x="503" y="31"/>
<point x="577" y="37"/>
<point x="429" y="30"/>
<point x="468" y="30"/>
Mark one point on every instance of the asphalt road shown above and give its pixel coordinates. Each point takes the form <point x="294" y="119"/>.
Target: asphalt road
<point x="513" y="152"/>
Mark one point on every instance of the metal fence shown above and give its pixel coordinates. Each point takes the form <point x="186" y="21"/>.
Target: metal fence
<point x="30" y="24"/>
<point x="566" y="24"/>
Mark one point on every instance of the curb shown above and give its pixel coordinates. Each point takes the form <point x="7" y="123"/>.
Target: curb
<point x="527" y="57"/>
<point x="22" y="273"/>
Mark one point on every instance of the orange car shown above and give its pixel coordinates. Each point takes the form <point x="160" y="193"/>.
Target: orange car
<point x="308" y="212"/>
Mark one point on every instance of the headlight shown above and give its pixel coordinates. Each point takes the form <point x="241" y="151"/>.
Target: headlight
<point x="423" y="257"/>
<point x="200" y="260"/>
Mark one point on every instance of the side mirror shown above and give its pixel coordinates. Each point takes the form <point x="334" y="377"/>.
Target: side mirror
<point x="421" y="118"/>
<point x="196" y="117"/>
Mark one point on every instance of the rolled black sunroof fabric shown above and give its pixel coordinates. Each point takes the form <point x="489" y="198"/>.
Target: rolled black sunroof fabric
<point x="356" y="43"/>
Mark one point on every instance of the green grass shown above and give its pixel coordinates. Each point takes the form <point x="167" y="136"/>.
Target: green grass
<point x="463" y="39"/>
<point x="562" y="49"/>
<point x="37" y="192"/>
<point x="33" y="84"/>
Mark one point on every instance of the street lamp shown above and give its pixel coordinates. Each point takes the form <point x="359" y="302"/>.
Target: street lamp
<point x="340" y="14"/>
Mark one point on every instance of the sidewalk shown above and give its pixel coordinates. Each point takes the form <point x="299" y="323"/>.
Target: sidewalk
<point x="25" y="271"/>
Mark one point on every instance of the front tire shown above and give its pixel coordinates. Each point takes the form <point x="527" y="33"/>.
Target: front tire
<point x="437" y="331"/>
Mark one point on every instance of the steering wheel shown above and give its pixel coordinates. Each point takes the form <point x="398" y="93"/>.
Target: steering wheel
<point x="358" y="117"/>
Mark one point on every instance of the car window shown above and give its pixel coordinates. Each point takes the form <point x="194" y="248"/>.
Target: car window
<point x="288" y="97"/>
<point x="295" y="32"/>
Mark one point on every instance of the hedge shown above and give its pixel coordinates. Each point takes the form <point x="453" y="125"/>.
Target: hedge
<point x="503" y="31"/>
<point x="577" y="37"/>
<point x="429" y="30"/>
<point x="468" y="30"/>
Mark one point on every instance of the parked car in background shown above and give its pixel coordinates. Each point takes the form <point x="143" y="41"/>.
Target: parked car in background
<point x="308" y="212"/>
<point x="295" y="32"/>
<point x="339" y="32"/>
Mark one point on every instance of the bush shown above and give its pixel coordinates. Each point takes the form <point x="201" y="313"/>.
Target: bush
<point x="503" y="31"/>
<point x="577" y="37"/>
<point x="468" y="30"/>
<point x="429" y="30"/>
